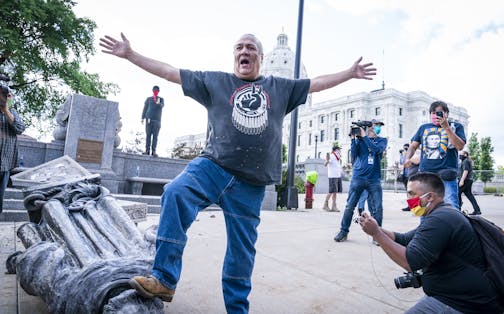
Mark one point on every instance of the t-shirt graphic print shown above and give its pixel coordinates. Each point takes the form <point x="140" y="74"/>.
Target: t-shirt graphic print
<point x="250" y="109"/>
<point x="434" y="143"/>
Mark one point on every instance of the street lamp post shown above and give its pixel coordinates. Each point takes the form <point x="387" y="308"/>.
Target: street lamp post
<point x="292" y="192"/>
<point x="316" y="140"/>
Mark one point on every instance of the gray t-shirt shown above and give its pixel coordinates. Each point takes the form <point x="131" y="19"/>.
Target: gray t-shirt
<point x="244" y="132"/>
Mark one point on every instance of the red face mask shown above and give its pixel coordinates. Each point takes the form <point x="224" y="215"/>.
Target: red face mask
<point x="155" y="92"/>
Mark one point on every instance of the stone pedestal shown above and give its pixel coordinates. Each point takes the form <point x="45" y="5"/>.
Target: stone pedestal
<point x="91" y="131"/>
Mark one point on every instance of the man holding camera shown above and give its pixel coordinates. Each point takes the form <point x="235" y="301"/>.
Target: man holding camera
<point x="10" y="126"/>
<point x="444" y="247"/>
<point x="441" y="140"/>
<point x="366" y="150"/>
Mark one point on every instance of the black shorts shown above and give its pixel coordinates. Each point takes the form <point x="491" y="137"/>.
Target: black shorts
<point x="335" y="185"/>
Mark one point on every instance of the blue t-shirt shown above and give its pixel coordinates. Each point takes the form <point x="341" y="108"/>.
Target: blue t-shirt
<point x="244" y="132"/>
<point x="437" y="151"/>
<point x="366" y="155"/>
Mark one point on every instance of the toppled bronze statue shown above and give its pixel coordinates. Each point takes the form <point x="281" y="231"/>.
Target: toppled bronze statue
<point x="81" y="250"/>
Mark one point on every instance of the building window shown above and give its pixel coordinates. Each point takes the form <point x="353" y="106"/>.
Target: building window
<point x="400" y="131"/>
<point x="299" y="140"/>
<point x="322" y="119"/>
<point x="336" y="134"/>
<point x="352" y="113"/>
<point x="299" y="125"/>
<point x="310" y="123"/>
<point x="336" y="116"/>
<point x="377" y="111"/>
<point x="309" y="139"/>
<point x="322" y="133"/>
<point x="400" y="111"/>
<point x="297" y="158"/>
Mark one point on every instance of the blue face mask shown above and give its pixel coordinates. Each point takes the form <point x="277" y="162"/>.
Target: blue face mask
<point x="377" y="129"/>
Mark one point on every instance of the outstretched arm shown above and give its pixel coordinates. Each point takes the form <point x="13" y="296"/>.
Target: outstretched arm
<point x="123" y="49"/>
<point x="357" y="70"/>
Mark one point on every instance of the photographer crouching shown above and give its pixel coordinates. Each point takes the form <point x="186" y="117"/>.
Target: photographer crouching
<point x="444" y="248"/>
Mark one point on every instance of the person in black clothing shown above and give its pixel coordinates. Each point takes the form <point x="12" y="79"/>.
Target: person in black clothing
<point x="466" y="181"/>
<point x="153" y="108"/>
<point x="444" y="246"/>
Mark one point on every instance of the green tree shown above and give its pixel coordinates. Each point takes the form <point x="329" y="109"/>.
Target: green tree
<point x="284" y="153"/>
<point x="486" y="161"/>
<point x="42" y="44"/>
<point x="135" y="144"/>
<point x="473" y="148"/>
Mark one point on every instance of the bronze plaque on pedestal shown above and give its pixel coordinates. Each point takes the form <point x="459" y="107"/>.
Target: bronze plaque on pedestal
<point x="89" y="151"/>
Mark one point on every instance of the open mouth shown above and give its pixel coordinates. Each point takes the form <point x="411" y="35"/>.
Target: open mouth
<point x="244" y="61"/>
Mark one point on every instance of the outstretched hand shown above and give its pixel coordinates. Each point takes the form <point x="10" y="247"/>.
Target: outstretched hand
<point x="115" y="47"/>
<point x="362" y="71"/>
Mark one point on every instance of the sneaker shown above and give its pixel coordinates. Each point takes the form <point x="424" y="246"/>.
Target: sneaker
<point x="154" y="155"/>
<point x="340" y="237"/>
<point x="326" y="207"/>
<point x="146" y="153"/>
<point x="334" y="209"/>
<point x="150" y="287"/>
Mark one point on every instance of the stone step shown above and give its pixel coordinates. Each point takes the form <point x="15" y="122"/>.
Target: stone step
<point x="13" y="204"/>
<point x="13" y="193"/>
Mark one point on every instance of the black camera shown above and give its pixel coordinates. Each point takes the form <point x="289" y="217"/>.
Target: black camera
<point x="411" y="279"/>
<point x="355" y="130"/>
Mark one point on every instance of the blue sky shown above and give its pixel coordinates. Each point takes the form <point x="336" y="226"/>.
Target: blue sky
<point x="450" y="49"/>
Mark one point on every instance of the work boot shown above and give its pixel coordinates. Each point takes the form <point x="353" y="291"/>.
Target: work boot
<point x="334" y="208"/>
<point x="340" y="237"/>
<point x="150" y="287"/>
<point x="326" y="206"/>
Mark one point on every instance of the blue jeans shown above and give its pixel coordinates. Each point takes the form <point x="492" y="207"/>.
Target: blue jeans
<point x="202" y="183"/>
<point x="362" y="201"/>
<point x="451" y="193"/>
<point x="431" y="305"/>
<point x="357" y="186"/>
<point x="4" y="180"/>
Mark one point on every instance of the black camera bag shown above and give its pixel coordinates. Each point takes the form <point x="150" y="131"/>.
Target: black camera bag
<point x="492" y="242"/>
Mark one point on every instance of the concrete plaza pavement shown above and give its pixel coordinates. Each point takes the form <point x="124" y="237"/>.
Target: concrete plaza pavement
<point x="298" y="269"/>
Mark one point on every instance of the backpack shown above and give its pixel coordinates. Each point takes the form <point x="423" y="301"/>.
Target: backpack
<point x="492" y="242"/>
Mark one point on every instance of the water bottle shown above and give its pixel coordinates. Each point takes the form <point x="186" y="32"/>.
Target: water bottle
<point x="21" y="161"/>
<point x="137" y="173"/>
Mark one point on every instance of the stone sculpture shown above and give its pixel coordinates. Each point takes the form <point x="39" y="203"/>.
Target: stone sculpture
<point x="81" y="250"/>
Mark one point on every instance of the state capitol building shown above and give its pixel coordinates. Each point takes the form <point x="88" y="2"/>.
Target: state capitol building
<point x="321" y="124"/>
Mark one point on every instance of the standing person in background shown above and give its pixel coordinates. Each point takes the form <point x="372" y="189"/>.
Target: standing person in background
<point x="333" y="164"/>
<point x="441" y="140"/>
<point x="153" y="108"/>
<point x="10" y="126"/>
<point x="245" y="110"/>
<point x="465" y="182"/>
<point x="366" y="151"/>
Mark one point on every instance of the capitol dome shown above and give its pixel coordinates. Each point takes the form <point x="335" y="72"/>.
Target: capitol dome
<point x="280" y="62"/>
